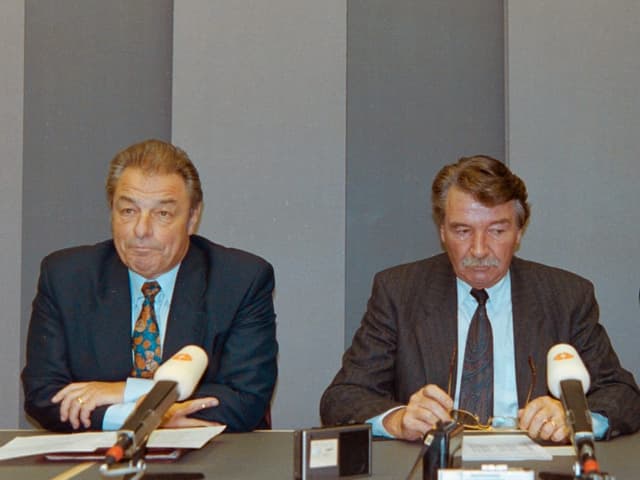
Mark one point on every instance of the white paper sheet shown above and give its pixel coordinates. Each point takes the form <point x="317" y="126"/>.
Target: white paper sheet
<point x="91" y="441"/>
<point x="561" y="451"/>
<point x="502" y="447"/>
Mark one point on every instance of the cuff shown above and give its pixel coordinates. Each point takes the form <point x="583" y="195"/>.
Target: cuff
<point x="600" y="425"/>
<point x="377" y="427"/>
<point x="116" y="414"/>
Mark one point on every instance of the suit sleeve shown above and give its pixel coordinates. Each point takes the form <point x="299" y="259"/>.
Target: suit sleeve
<point x="613" y="392"/>
<point x="247" y="372"/>
<point x="364" y="387"/>
<point x="46" y="370"/>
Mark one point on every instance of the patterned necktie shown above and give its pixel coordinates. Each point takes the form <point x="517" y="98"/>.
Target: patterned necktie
<point x="145" y="340"/>
<point x="476" y="386"/>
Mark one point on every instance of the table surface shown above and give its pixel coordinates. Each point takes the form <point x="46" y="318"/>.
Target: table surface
<point x="269" y="455"/>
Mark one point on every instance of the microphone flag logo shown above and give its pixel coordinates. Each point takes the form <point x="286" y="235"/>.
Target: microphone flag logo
<point x="183" y="356"/>
<point x="563" y="356"/>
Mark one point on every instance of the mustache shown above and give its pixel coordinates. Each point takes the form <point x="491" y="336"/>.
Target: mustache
<point x="473" y="262"/>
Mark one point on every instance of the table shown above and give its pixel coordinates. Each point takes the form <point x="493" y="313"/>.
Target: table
<point x="269" y="455"/>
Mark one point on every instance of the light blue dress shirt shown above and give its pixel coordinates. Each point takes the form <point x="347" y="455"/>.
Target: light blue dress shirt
<point x="505" y="391"/>
<point x="135" y="388"/>
<point x="499" y="311"/>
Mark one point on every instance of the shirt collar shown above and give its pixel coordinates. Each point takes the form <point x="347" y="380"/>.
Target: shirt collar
<point x="167" y="280"/>
<point x="496" y="293"/>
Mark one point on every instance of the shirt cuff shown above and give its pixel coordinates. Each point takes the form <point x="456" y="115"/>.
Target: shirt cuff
<point x="136" y="387"/>
<point x="600" y="425"/>
<point x="116" y="414"/>
<point x="377" y="427"/>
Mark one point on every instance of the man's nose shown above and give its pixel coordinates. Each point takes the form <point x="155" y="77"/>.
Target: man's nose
<point x="143" y="226"/>
<point x="479" y="247"/>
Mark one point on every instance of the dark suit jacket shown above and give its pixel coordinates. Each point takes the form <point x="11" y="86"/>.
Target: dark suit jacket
<point x="80" y="329"/>
<point x="409" y="331"/>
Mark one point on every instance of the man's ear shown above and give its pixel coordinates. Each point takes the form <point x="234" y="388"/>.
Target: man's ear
<point x="519" y="237"/>
<point x="194" y="219"/>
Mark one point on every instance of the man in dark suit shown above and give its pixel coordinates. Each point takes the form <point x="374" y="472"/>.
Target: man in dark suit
<point x="403" y="373"/>
<point x="79" y="372"/>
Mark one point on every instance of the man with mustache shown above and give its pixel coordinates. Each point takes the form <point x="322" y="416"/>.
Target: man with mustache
<point x="105" y="316"/>
<point x="470" y="329"/>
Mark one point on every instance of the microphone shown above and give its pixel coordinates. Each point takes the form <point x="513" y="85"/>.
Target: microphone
<point x="568" y="379"/>
<point x="174" y="380"/>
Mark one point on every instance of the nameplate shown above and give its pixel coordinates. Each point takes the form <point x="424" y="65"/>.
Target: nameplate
<point x="487" y="472"/>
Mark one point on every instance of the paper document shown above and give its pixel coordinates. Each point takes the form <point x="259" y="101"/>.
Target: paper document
<point x="561" y="451"/>
<point x="91" y="441"/>
<point x="502" y="447"/>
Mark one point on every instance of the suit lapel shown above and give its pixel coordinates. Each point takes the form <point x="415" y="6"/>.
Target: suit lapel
<point x="438" y="319"/>
<point x="526" y="332"/>
<point x="187" y="315"/>
<point x="112" y="318"/>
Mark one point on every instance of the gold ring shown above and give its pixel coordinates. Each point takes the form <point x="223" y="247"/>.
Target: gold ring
<point x="79" y="400"/>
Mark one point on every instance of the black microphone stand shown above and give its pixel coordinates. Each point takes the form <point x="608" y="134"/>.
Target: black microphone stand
<point x="438" y="447"/>
<point x="578" y="417"/>
<point x="134" y="469"/>
<point x="126" y="459"/>
<point x="132" y="439"/>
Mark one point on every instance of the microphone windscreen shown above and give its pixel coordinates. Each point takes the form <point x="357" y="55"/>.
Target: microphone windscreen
<point x="185" y="368"/>
<point x="564" y="363"/>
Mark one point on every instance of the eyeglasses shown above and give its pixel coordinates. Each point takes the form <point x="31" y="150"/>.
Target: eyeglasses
<point x="471" y="421"/>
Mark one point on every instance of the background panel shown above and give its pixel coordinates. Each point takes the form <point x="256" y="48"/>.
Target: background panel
<point x="574" y="111"/>
<point x="11" y="117"/>
<point x="259" y="104"/>
<point x="97" y="77"/>
<point x="425" y="87"/>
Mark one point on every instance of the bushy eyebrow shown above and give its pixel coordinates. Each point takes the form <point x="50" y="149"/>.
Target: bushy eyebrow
<point x="126" y="199"/>
<point x="169" y="201"/>
<point x="503" y="221"/>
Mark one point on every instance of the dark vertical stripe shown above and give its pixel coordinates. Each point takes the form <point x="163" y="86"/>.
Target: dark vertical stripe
<point x="425" y="85"/>
<point x="97" y="78"/>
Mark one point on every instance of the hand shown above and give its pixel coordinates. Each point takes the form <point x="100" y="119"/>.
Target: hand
<point x="177" y="415"/>
<point x="78" y="400"/>
<point x="544" y="418"/>
<point x="425" y="408"/>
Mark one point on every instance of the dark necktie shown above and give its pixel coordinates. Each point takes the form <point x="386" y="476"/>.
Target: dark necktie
<point x="145" y="340"/>
<point x="476" y="386"/>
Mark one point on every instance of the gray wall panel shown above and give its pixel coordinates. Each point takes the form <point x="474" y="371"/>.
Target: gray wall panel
<point x="11" y="89"/>
<point x="425" y="87"/>
<point x="259" y="103"/>
<point x="97" y="78"/>
<point x="574" y="111"/>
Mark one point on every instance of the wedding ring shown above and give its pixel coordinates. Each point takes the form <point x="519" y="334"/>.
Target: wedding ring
<point x="79" y="400"/>
<point x="204" y="405"/>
